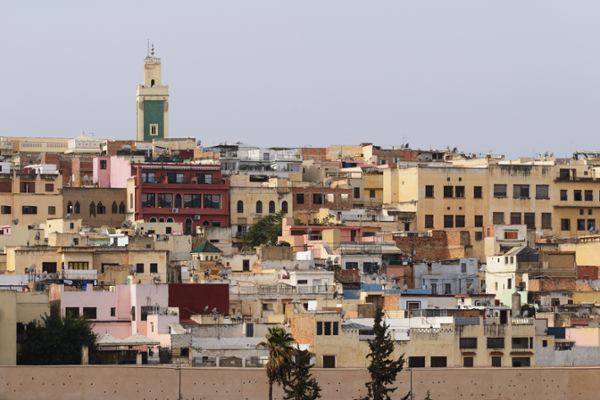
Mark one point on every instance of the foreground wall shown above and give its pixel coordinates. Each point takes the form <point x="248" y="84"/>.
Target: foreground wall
<point x="133" y="382"/>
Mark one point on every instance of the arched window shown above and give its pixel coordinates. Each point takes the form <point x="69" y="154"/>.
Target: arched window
<point x="284" y="206"/>
<point x="122" y="208"/>
<point x="271" y="207"/>
<point x="205" y="223"/>
<point x="92" y="209"/>
<point x="240" y="207"/>
<point x="152" y="83"/>
<point x="259" y="207"/>
<point x="177" y="200"/>
<point x="152" y="219"/>
<point x="77" y="208"/>
<point x="101" y="208"/>
<point x="161" y="219"/>
<point x="188" y="226"/>
<point x="115" y="208"/>
<point x="70" y="208"/>
<point x="170" y="219"/>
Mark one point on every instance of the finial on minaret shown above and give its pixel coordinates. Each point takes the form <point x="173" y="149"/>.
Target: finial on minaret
<point x="148" y="51"/>
<point x="152" y="52"/>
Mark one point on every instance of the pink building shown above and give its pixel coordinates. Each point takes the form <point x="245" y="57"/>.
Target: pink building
<point x="111" y="171"/>
<point x="127" y="310"/>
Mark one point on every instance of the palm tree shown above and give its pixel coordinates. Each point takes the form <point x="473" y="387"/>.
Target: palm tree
<point x="279" y="366"/>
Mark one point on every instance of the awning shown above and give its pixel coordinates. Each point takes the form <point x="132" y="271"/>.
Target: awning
<point x="140" y="340"/>
<point x="109" y="340"/>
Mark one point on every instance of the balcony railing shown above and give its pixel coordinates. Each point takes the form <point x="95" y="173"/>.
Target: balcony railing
<point x="467" y="320"/>
<point x="281" y="289"/>
<point x="522" y="321"/>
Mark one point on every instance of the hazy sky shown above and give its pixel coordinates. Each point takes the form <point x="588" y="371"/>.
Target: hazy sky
<point x="510" y="77"/>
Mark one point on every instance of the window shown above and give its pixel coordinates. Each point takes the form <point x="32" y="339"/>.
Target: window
<point x="511" y="235"/>
<point x="468" y="343"/>
<point x="114" y="207"/>
<point x="351" y="265"/>
<point x="89" y="312"/>
<point x="5" y="187"/>
<point x="591" y="224"/>
<point x="520" y="343"/>
<point x="495" y="343"/>
<point x="371" y="193"/>
<point x="149" y="177"/>
<point x="27" y="187"/>
<point x="101" y="208"/>
<point x="51" y="210"/>
<point x="328" y="361"/>
<point x="317" y="198"/>
<point x="448" y="191"/>
<point x="302" y="282"/>
<point x="546" y="221"/>
<point x="284" y="206"/>
<point x="212" y="201"/>
<point x="246" y="265"/>
<point x="563" y="195"/>
<point x="447" y="288"/>
<point x="113" y="311"/>
<point x="577" y="195"/>
<point x="542" y="192"/>
<point x="515" y="218"/>
<point x="581" y="225"/>
<point x="102" y="164"/>
<point x="448" y="221"/>
<point x="240" y="207"/>
<point x="319" y="328"/>
<point x="429" y="191"/>
<point x="434" y="288"/>
<point x="74" y="311"/>
<point x="463" y="268"/>
<point x="499" y="190"/>
<point x="195" y="201"/>
<point x="6" y="210"/>
<point x="77" y="208"/>
<point x="204" y="178"/>
<point x="148" y="199"/>
<point x="521" y="362"/>
<point x="154" y="268"/>
<point x="153" y="128"/>
<point x="477" y="192"/>
<point x="81" y="265"/>
<point x="438" y="362"/>
<point x="175" y="178"/>
<point x="416" y="362"/>
<point x="29" y="210"/>
<point x="49" y="187"/>
<point x="590" y="211"/>
<point x="589" y="195"/>
<point x="133" y="313"/>
<point x="468" y="362"/>
<point x="122" y="208"/>
<point x="460" y="221"/>
<point x="299" y="198"/>
<point x="521" y="191"/>
<point x="496" y="361"/>
<point x="165" y="200"/>
<point x="565" y="224"/>
<point x="336" y="328"/>
<point x="429" y="221"/>
<point x="271" y="207"/>
<point x="459" y="191"/>
<point x="544" y="343"/>
<point x="478" y="221"/>
<point x="530" y="220"/>
<point x="330" y="197"/>
<point x="259" y="209"/>
<point x="478" y="235"/>
<point x="139" y="268"/>
<point x="581" y="211"/>
<point x="509" y="281"/>
<point x="49" y="267"/>
<point x="498" y="218"/>
<point x="357" y="193"/>
<point x="327" y="326"/>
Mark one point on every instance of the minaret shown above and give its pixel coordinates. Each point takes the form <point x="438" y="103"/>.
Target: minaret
<point x="152" y="102"/>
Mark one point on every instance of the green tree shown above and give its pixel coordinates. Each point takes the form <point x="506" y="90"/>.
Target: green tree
<point x="279" y="366"/>
<point x="301" y="385"/>
<point x="383" y="369"/>
<point x="56" y="340"/>
<point x="266" y="229"/>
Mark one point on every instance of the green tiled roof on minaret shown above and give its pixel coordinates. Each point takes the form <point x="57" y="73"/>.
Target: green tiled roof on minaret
<point x="207" y="247"/>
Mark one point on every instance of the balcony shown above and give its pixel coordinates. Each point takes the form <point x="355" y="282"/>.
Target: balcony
<point x="80" y="274"/>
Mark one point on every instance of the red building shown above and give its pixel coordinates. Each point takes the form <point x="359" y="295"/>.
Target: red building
<point x="194" y="195"/>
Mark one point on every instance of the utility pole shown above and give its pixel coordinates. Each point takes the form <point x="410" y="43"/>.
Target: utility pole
<point x="180" y="397"/>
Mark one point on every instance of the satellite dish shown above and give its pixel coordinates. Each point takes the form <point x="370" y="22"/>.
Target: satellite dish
<point x="596" y="230"/>
<point x="297" y="267"/>
<point x="158" y="279"/>
<point x="405" y="287"/>
<point x="340" y="154"/>
<point x="238" y="315"/>
<point x="318" y="182"/>
<point x="13" y="220"/>
<point x="132" y="270"/>
<point x="214" y="310"/>
<point x="328" y="182"/>
<point x="374" y="276"/>
<point x="360" y="316"/>
<point x="209" y="271"/>
<point x="199" y="143"/>
<point x="30" y="160"/>
<point x="483" y="287"/>
<point x="17" y="221"/>
<point x="328" y="260"/>
<point x="530" y="268"/>
<point x="137" y="231"/>
<point x="196" y="278"/>
<point x="392" y="276"/>
<point x="39" y="159"/>
<point x="72" y="244"/>
<point x="295" y="310"/>
<point x="206" y="309"/>
<point x="268" y="242"/>
<point x="336" y="260"/>
<point x="68" y="216"/>
<point x="343" y="314"/>
<point x="525" y="313"/>
<point x="335" y="294"/>
<point x="517" y="314"/>
<point x="123" y="224"/>
<point x="37" y="235"/>
<point x="309" y="231"/>
<point x="44" y="275"/>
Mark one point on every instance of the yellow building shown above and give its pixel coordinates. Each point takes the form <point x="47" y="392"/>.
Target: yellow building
<point x="17" y="309"/>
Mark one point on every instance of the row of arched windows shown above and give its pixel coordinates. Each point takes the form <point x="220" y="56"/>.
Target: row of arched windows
<point x="259" y="207"/>
<point x="96" y="208"/>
